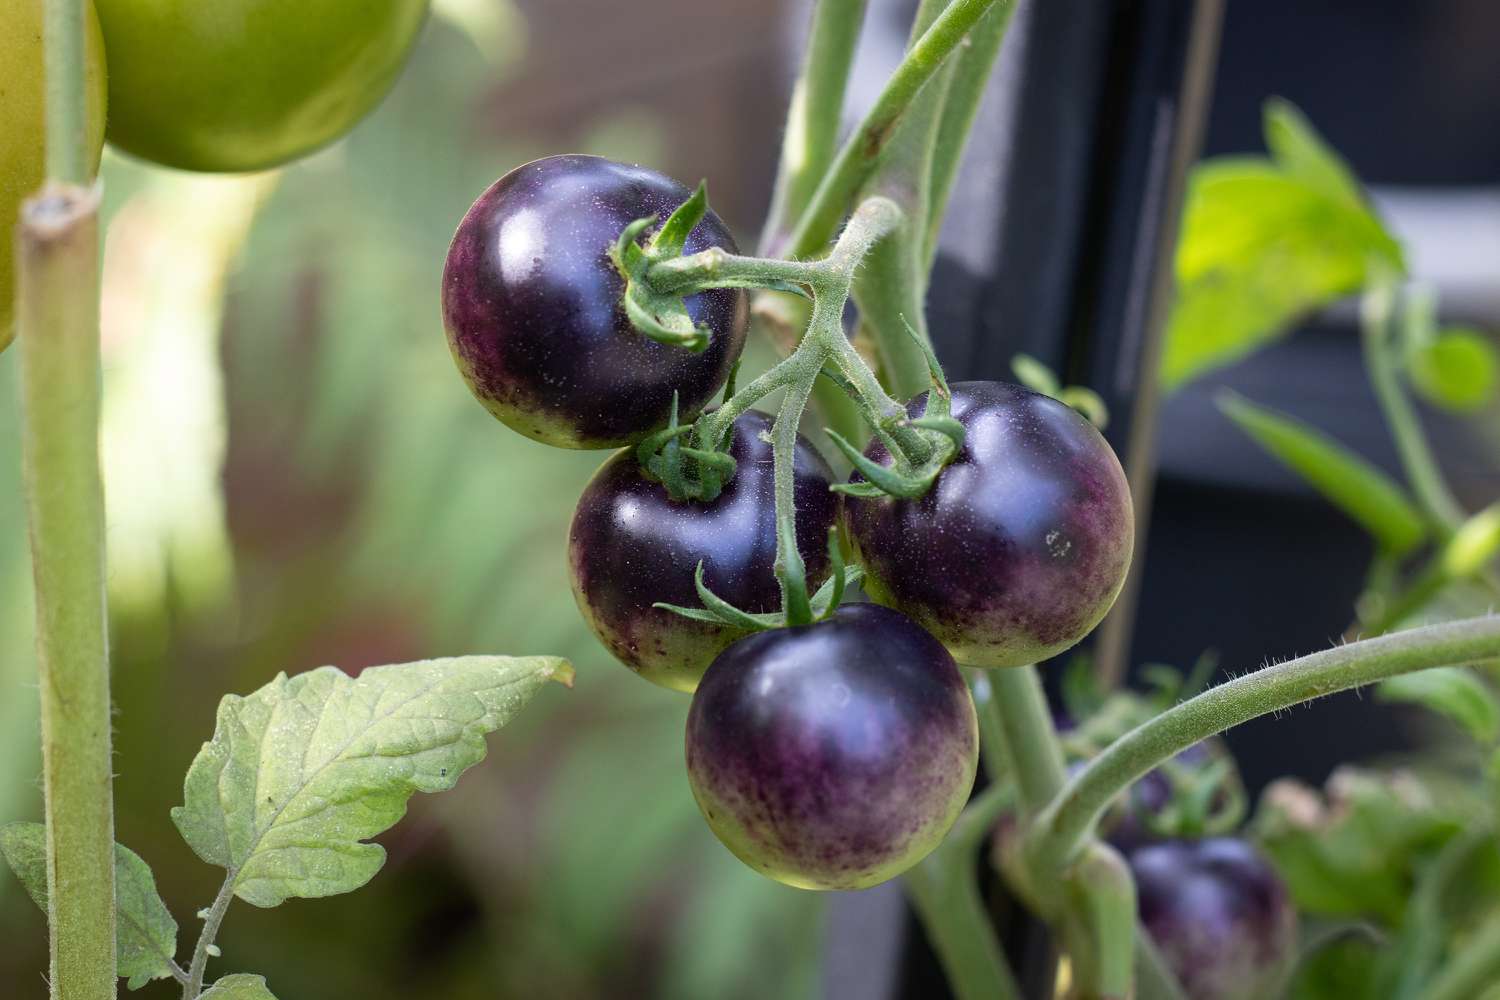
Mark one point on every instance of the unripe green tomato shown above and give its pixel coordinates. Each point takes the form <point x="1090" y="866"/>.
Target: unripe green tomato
<point x="23" y="130"/>
<point x="232" y="85"/>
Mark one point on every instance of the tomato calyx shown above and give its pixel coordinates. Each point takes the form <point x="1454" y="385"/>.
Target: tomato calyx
<point x="821" y="605"/>
<point x="663" y="318"/>
<point x="908" y="477"/>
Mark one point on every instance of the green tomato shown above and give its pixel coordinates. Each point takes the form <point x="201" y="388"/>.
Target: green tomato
<point x="233" y="85"/>
<point x="22" y="129"/>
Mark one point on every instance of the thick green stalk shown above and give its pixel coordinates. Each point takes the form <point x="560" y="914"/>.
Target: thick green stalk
<point x="63" y="39"/>
<point x="58" y="324"/>
<point x="1030" y="737"/>
<point x="945" y="894"/>
<point x="891" y="289"/>
<point x="1066" y="824"/>
<point x="812" y="125"/>
<point x="857" y="157"/>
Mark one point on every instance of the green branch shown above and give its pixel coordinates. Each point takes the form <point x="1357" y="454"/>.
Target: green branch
<point x="812" y="125"/>
<point x="862" y="150"/>
<point x="1066" y="824"/>
<point x="58" y="324"/>
<point x="63" y="37"/>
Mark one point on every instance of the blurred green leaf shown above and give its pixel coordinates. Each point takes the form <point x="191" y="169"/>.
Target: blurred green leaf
<point x="299" y="773"/>
<point x="1263" y="243"/>
<point x="1353" y="850"/>
<point x="1346" y="480"/>
<point x="239" y="987"/>
<point x="1301" y="152"/>
<point x="1454" y="692"/>
<point x="1456" y="371"/>
<point x="145" y="933"/>
<point x="1345" y="966"/>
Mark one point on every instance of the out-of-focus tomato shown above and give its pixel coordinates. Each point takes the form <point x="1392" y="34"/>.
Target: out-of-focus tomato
<point x="22" y="131"/>
<point x="236" y="85"/>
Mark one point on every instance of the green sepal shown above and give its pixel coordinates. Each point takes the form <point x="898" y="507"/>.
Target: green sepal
<point x="949" y="427"/>
<point x="663" y="318"/>
<point x="884" y="478"/>
<point x="717" y="611"/>
<point x="792" y="573"/>
<point x="671" y="239"/>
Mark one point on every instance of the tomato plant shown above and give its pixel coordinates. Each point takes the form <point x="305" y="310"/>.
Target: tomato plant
<point x="248" y="84"/>
<point x="829" y="744"/>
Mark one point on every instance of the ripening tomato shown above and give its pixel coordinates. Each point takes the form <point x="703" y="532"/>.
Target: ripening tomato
<point x="22" y="129"/>
<point x="237" y="85"/>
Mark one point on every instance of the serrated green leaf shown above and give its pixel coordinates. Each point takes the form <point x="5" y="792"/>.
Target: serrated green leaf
<point x="238" y="987"/>
<point x="145" y="933"/>
<point x="1263" y="243"/>
<point x="1356" y="487"/>
<point x="1454" y="692"/>
<point x="1456" y="371"/>
<point x="304" y="770"/>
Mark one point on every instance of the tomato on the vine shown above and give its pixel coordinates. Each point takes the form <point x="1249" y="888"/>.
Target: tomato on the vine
<point x="1219" y="913"/>
<point x="834" y="755"/>
<point x="532" y="306"/>
<point x="238" y="85"/>
<point x="1020" y="547"/>
<point x="22" y="129"/>
<point x="631" y="545"/>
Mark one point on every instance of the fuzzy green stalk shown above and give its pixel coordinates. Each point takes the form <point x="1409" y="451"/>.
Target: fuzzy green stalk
<point x="58" y="323"/>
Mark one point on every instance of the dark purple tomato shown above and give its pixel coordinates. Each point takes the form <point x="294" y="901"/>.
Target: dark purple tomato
<point x="632" y="545"/>
<point x="1219" y="914"/>
<point x="1021" y="545"/>
<point x="531" y="305"/>
<point x="834" y="755"/>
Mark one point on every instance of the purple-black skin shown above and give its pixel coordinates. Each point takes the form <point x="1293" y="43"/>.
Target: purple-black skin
<point x="1219" y="914"/>
<point x="1021" y="545"/>
<point x="531" y="305"/>
<point x="632" y="545"/>
<point x="834" y="755"/>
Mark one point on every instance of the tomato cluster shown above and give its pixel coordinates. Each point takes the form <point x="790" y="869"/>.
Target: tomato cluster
<point x="828" y="755"/>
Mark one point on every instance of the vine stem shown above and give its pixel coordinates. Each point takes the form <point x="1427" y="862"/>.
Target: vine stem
<point x="1068" y="821"/>
<point x="57" y="312"/>
<point x="857" y="158"/>
<point x="58" y="324"/>
<point x="813" y="118"/>
<point x="211" y="923"/>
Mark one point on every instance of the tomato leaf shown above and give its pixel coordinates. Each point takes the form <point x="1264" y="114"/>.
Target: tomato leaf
<point x="304" y="770"/>
<point x="1263" y="243"/>
<point x="1454" y="692"/>
<point x="1353" y="485"/>
<point x="145" y="933"/>
<point x="238" y="987"/>
<point x="1456" y="371"/>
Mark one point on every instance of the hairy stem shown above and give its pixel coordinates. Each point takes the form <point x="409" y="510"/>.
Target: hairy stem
<point x="944" y="892"/>
<point x="1030" y="737"/>
<point x="211" y="923"/>
<point x="58" y="323"/>
<point x="63" y="37"/>
<point x="1065" y="825"/>
<point x="812" y="126"/>
<point x="860" y="152"/>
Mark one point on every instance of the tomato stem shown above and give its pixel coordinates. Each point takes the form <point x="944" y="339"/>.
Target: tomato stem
<point x="63" y="39"/>
<point x="58" y="324"/>
<point x="1065" y="825"/>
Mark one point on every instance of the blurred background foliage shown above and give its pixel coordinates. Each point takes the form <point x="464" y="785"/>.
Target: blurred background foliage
<point x="296" y="477"/>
